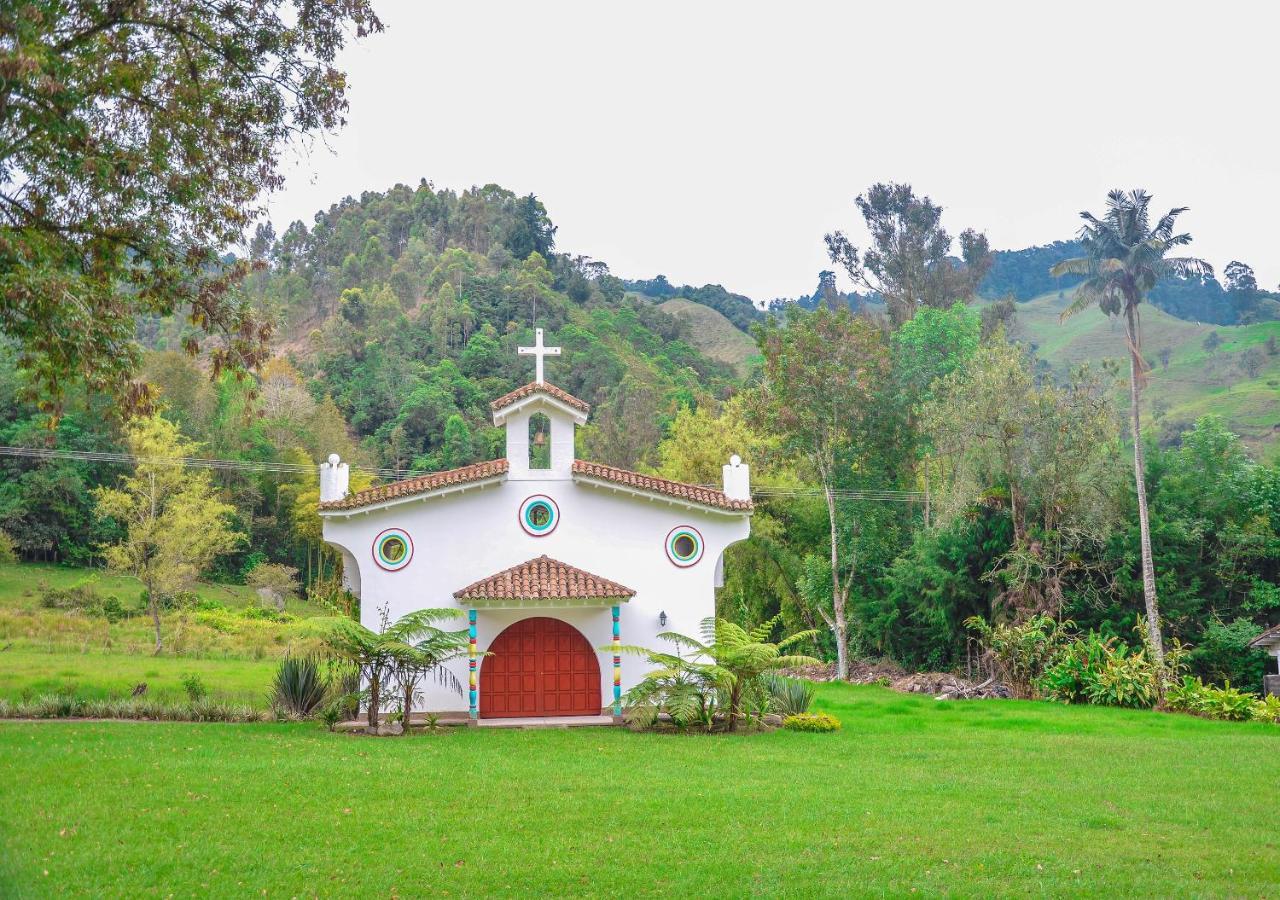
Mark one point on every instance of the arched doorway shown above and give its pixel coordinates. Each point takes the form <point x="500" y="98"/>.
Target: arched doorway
<point x="540" y="667"/>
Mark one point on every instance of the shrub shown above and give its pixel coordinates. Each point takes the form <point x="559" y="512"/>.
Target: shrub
<point x="1222" y="653"/>
<point x="1227" y="703"/>
<point x="196" y="691"/>
<point x="1076" y="669"/>
<point x="790" y="696"/>
<point x="299" y="687"/>
<point x="1185" y="696"/>
<point x="1267" y="709"/>
<point x="1020" y="654"/>
<point x="79" y="597"/>
<point x="1126" y="679"/>
<point x="332" y="713"/>
<point x="274" y="583"/>
<point x="8" y="548"/>
<point x="811" y="722"/>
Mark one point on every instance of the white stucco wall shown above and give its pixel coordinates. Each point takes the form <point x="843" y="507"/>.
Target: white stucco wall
<point x="467" y="535"/>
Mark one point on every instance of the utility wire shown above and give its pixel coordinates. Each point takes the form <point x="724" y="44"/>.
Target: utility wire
<point x="283" y="468"/>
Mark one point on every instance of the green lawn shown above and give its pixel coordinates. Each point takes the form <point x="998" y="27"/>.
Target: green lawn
<point x="970" y="798"/>
<point x="45" y="651"/>
<point x="21" y="584"/>
<point x="27" y="672"/>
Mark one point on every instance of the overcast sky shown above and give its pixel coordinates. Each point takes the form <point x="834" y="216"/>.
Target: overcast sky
<point x="718" y="142"/>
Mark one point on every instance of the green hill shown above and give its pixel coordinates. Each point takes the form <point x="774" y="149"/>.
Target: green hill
<point x="713" y="334"/>
<point x="1195" y="382"/>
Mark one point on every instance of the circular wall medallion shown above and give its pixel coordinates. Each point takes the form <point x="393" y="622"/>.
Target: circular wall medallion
<point x="539" y="515"/>
<point x="684" y="545"/>
<point x="392" y="549"/>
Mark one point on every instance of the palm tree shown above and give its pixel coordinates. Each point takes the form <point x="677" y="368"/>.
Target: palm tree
<point x="406" y="651"/>
<point x="1125" y="257"/>
<point x="727" y="658"/>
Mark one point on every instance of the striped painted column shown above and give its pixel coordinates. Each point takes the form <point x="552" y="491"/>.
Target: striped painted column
<point x="617" y="665"/>
<point x="471" y="659"/>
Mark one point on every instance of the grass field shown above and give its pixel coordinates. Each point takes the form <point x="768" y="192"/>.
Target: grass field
<point x="1196" y="382"/>
<point x="712" y="333"/>
<point x="914" y="795"/>
<point x="44" y="651"/>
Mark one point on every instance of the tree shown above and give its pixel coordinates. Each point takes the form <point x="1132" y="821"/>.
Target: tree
<point x="821" y="376"/>
<point x="1125" y="257"/>
<point x="174" y="523"/>
<point x="1033" y="451"/>
<point x="1166" y="354"/>
<point x="137" y="138"/>
<point x="1252" y="361"/>
<point x="458" y="448"/>
<point x="908" y="262"/>
<point x="1238" y="276"/>
<point x="404" y="651"/>
<point x="274" y="582"/>
<point x="1212" y="342"/>
<point x="423" y="652"/>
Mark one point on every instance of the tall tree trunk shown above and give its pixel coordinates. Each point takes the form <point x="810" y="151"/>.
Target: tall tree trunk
<point x="408" y="705"/>
<point x="1140" y="482"/>
<point x="375" y="698"/>
<point x="154" y="606"/>
<point x="837" y="596"/>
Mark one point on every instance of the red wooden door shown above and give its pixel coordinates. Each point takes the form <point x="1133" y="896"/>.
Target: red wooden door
<point x="540" y="667"/>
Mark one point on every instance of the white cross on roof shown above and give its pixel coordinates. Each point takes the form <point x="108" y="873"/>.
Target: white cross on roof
<point x="538" y="351"/>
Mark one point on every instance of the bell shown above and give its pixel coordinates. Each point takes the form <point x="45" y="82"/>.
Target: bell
<point x="539" y="438"/>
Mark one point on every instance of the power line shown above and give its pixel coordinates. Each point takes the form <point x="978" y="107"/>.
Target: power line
<point x="283" y="468"/>
<point x="235" y="465"/>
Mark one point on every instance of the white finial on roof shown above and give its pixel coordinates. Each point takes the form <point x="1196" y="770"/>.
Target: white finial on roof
<point x="538" y="351"/>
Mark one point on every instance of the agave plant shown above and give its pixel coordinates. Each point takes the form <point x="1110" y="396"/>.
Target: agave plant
<point x="299" y="687"/>
<point x="726" y="659"/>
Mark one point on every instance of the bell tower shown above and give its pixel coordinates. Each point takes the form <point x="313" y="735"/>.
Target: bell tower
<point x="537" y="415"/>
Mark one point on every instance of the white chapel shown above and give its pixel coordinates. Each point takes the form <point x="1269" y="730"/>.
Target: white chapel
<point x="552" y="561"/>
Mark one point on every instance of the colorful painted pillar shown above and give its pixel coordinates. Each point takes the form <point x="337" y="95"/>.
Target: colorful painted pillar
<point x="617" y="665"/>
<point x="471" y="660"/>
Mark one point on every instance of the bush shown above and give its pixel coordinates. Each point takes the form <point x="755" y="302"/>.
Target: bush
<point x="61" y="706"/>
<point x="8" y="549"/>
<point x="196" y="691"/>
<point x="274" y="583"/>
<point x="811" y="722"/>
<point x="1267" y="709"/>
<point x="1076" y="669"/>
<point x="790" y="696"/>
<point x="1020" y="654"/>
<point x="1126" y="679"/>
<point x="1222" y="654"/>
<point x="299" y="687"/>
<point x="78" y="598"/>
<point x="83" y="598"/>
<point x="1226" y="703"/>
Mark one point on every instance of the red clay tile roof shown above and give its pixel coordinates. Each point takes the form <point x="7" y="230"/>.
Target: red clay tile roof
<point x="690" y="492"/>
<point x="544" y="579"/>
<point x="1266" y="636"/>
<point x="535" y="387"/>
<point x="420" y="485"/>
